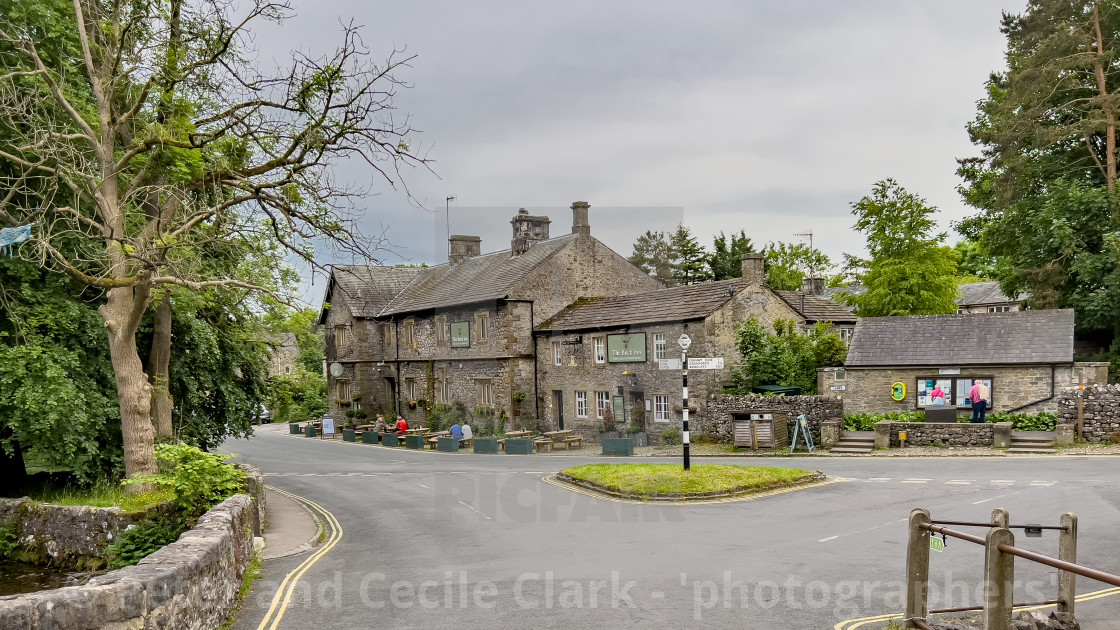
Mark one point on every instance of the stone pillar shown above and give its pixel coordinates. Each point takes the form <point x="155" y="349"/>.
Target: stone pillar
<point x="999" y="580"/>
<point x="1067" y="551"/>
<point x="1001" y="517"/>
<point x="1001" y="435"/>
<point x="917" y="567"/>
<point x="883" y="434"/>
<point x="830" y="433"/>
<point x="1064" y="434"/>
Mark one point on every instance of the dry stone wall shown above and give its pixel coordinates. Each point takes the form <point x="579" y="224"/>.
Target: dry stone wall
<point x="71" y="537"/>
<point x="817" y="409"/>
<point x="1101" y="411"/>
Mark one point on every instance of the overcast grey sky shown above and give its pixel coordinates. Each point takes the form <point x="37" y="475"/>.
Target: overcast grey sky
<point x="767" y="116"/>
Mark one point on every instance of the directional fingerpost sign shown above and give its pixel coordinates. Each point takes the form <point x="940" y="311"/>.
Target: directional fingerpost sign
<point x="705" y="363"/>
<point x="669" y="364"/>
<point x="685" y="341"/>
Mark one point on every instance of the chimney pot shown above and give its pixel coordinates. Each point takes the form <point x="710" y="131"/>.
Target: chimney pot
<point x="579" y="218"/>
<point x="528" y="230"/>
<point x="753" y="269"/>
<point x="812" y="286"/>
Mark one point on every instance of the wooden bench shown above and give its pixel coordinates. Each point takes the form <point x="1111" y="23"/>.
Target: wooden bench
<point x="501" y="444"/>
<point x="544" y="444"/>
<point x="575" y="440"/>
<point x="433" y="442"/>
<point x="466" y="442"/>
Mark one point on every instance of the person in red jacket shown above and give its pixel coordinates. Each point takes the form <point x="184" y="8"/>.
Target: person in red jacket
<point x="402" y="426"/>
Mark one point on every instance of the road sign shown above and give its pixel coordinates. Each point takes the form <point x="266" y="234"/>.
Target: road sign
<point x="668" y="364"/>
<point x="685" y="341"/>
<point x="705" y="363"/>
<point x="936" y="544"/>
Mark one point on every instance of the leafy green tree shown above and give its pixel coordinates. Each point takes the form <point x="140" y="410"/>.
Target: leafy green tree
<point x="785" y="356"/>
<point x="974" y="265"/>
<point x="135" y="138"/>
<point x="788" y="264"/>
<point x="910" y="272"/>
<point x="1045" y="180"/>
<point x="726" y="260"/>
<point x="653" y="254"/>
<point x="690" y="260"/>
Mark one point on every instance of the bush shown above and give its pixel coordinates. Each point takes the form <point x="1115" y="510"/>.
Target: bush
<point x="9" y="541"/>
<point x="198" y="479"/>
<point x="134" y="544"/>
<point x="671" y="436"/>
<point x="867" y="421"/>
<point x="1044" y="421"/>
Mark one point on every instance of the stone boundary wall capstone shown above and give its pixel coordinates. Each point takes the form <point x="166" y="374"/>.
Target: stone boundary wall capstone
<point x="944" y="433"/>
<point x="66" y="536"/>
<point x="721" y="410"/>
<point x="1102" y="411"/>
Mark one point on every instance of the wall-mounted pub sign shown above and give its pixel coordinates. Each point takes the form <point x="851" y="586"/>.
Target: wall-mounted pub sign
<point x="460" y="334"/>
<point x="626" y="348"/>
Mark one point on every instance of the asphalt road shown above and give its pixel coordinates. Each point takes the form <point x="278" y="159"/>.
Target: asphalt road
<point x="436" y="540"/>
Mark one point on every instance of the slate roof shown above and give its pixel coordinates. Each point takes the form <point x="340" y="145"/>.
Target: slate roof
<point x="367" y="289"/>
<point x="694" y="301"/>
<point x="476" y="279"/>
<point x="817" y="309"/>
<point x="982" y="293"/>
<point x="1018" y="337"/>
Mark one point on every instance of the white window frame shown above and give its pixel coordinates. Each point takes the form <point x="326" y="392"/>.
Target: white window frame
<point x="342" y="390"/>
<point x="661" y="408"/>
<point x="557" y="353"/>
<point x="602" y="403"/>
<point x="483" y="326"/>
<point x="999" y="309"/>
<point x="659" y="347"/>
<point x="441" y="329"/>
<point x="485" y="392"/>
<point x="581" y="404"/>
<point x="410" y="387"/>
<point x="441" y="385"/>
<point x="840" y="375"/>
<point x="599" y="347"/>
<point x="846" y="334"/>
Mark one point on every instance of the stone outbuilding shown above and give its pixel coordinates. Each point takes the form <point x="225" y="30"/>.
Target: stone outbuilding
<point x="1024" y="357"/>
<point x="403" y="338"/>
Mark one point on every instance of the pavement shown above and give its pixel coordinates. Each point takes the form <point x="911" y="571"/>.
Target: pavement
<point x="291" y="529"/>
<point x="438" y="540"/>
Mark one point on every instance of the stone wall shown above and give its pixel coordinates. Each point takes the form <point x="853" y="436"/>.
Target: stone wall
<point x="1101" y="411"/>
<point x="817" y="409"/>
<point x="67" y="536"/>
<point x="191" y="583"/>
<point x="934" y="433"/>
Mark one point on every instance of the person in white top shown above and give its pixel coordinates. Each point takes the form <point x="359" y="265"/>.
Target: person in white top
<point x="467" y="433"/>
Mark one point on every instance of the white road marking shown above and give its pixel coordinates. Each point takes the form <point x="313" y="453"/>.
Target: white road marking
<point x="828" y="539"/>
<point x="1042" y="484"/>
<point x="474" y="509"/>
<point x="959" y="482"/>
<point x="916" y="480"/>
<point x="1011" y="481"/>
<point x="878" y="479"/>
<point x="423" y="486"/>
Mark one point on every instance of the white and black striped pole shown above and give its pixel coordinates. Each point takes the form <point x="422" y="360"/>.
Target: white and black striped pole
<point x="684" y="406"/>
<point x="684" y="342"/>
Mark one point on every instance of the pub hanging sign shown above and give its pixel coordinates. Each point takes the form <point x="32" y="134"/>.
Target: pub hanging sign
<point x="460" y="334"/>
<point x="626" y="348"/>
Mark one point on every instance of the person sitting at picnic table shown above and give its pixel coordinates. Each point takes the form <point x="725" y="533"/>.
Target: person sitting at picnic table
<point x="380" y="427"/>
<point x="467" y="433"/>
<point x="402" y="426"/>
<point x="457" y="431"/>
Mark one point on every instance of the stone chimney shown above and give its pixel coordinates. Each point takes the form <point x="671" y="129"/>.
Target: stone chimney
<point x="463" y="247"/>
<point x="812" y="286"/>
<point x="528" y="230"/>
<point x="579" y="218"/>
<point x="753" y="270"/>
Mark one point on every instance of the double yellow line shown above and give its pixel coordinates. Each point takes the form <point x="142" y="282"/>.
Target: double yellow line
<point x="283" y="596"/>
<point x="852" y="624"/>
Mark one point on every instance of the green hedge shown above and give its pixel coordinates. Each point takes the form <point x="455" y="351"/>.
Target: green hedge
<point x="1044" y="421"/>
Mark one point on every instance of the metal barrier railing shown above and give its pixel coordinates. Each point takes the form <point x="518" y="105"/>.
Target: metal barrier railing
<point x="999" y="567"/>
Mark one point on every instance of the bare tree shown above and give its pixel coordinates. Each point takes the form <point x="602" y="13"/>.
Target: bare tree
<point x="163" y="137"/>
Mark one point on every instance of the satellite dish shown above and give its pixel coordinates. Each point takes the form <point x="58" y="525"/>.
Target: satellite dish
<point x="336" y="369"/>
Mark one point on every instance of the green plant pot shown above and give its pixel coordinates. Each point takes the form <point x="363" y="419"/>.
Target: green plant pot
<point x="448" y="445"/>
<point x="519" y="446"/>
<point x="390" y="439"/>
<point x="349" y="435"/>
<point x="486" y="446"/>
<point x="618" y="446"/>
<point x="310" y="431"/>
<point x="414" y="441"/>
<point x="293" y="428"/>
<point x="369" y="437"/>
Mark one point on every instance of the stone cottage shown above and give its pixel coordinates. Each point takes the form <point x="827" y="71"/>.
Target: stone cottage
<point x="600" y="359"/>
<point x="1024" y="357"/>
<point x="402" y="337"/>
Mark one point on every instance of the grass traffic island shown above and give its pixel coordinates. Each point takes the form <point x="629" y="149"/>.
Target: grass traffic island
<point x="670" y="482"/>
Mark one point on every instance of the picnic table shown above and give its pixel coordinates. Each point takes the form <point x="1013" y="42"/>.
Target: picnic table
<point x="518" y="434"/>
<point x="563" y="436"/>
<point x="417" y="431"/>
<point x="432" y="439"/>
